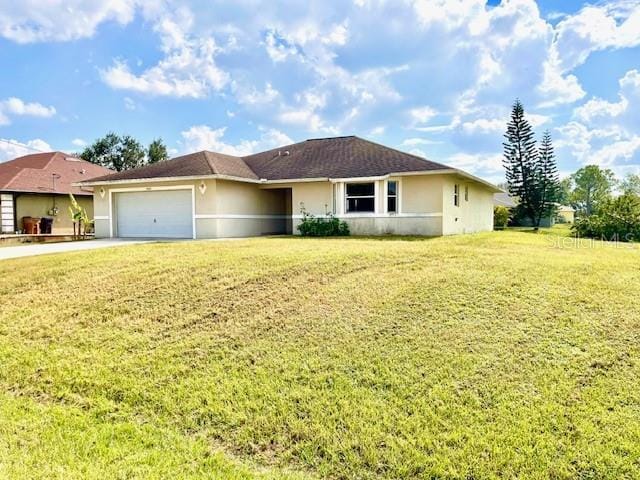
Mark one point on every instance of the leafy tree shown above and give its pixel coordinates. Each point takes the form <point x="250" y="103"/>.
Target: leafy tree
<point x="593" y="187"/>
<point x="157" y="151"/>
<point x="564" y="191"/>
<point x="618" y="219"/>
<point x="115" y="152"/>
<point x="532" y="174"/>
<point x="631" y="184"/>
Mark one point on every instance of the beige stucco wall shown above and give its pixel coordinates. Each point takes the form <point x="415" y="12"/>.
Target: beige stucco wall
<point x="237" y="202"/>
<point x="569" y="216"/>
<point x="30" y="205"/>
<point x="422" y="194"/>
<point x="238" y="209"/>
<point x="474" y="215"/>
<point x="223" y="210"/>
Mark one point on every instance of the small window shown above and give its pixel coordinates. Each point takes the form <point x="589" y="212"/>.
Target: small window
<point x="456" y="195"/>
<point x="392" y="197"/>
<point x="361" y="197"/>
<point x="466" y="193"/>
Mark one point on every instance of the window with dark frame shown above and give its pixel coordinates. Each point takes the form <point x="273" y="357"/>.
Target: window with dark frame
<point x="392" y="197"/>
<point x="466" y="193"/>
<point x="361" y="197"/>
<point x="456" y="195"/>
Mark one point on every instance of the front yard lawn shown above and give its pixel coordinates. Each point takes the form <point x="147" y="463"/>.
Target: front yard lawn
<point x="497" y="355"/>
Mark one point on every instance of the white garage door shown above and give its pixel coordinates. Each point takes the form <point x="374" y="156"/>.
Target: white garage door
<point x="158" y="213"/>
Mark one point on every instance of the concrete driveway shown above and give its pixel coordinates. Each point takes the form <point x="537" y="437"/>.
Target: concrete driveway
<point x="45" y="248"/>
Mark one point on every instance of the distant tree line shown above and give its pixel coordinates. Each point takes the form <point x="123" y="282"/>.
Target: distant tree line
<point x="123" y="152"/>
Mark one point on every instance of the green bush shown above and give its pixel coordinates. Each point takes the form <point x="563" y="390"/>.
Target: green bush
<point x="616" y="220"/>
<point x="329" y="226"/>
<point x="500" y="217"/>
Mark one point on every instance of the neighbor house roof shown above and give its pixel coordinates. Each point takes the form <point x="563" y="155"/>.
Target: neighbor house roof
<point x="321" y="158"/>
<point x="565" y="208"/>
<point x="503" y="199"/>
<point x="51" y="172"/>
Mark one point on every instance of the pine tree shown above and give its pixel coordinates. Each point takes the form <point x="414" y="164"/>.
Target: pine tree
<point x="547" y="184"/>
<point x="520" y="159"/>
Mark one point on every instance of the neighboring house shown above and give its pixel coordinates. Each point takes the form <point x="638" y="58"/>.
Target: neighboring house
<point x="376" y="189"/>
<point x="38" y="186"/>
<point x="503" y="199"/>
<point x="563" y="213"/>
<point x="566" y="213"/>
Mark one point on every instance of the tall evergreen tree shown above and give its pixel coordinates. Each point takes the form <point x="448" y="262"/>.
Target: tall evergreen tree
<point x="520" y="158"/>
<point x="546" y="188"/>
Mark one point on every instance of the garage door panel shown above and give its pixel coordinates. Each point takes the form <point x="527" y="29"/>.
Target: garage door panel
<point x="158" y="213"/>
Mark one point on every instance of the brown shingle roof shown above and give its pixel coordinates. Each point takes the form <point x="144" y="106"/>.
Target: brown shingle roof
<point x="35" y="173"/>
<point x="194" y="164"/>
<point x="338" y="157"/>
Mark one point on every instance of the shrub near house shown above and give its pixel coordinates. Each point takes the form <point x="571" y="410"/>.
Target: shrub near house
<point x="500" y="217"/>
<point x="312" y="226"/>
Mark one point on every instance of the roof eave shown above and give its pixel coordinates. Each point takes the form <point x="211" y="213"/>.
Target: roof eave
<point x="445" y="171"/>
<point x="215" y="176"/>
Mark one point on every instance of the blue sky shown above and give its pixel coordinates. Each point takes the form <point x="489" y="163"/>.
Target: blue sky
<point x="433" y="77"/>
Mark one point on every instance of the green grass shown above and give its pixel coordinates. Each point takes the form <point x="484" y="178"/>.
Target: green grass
<point x="497" y="355"/>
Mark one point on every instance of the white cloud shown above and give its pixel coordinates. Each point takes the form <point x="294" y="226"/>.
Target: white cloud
<point x="597" y="108"/>
<point x="338" y="35"/>
<point x="612" y="25"/>
<point x="484" y="126"/>
<point x="16" y="107"/>
<point x="252" y="96"/>
<point x="10" y="148"/>
<point x="413" y="142"/>
<point x="606" y="133"/>
<point x="451" y="13"/>
<point x="28" y="21"/>
<point x="305" y="114"/>
<point x="129" y="103"/>
<point x="558" y="89"/>
<point x="613" y="153"/>
<point x="477" y="163"/>
<point x="79" y="142"/>
<point x="377" y="131"/>
<point x="278" y="48"/>
<point x="188" y="69"/>
<point x="203" y="137"/>
<point x="421" y="115"/>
